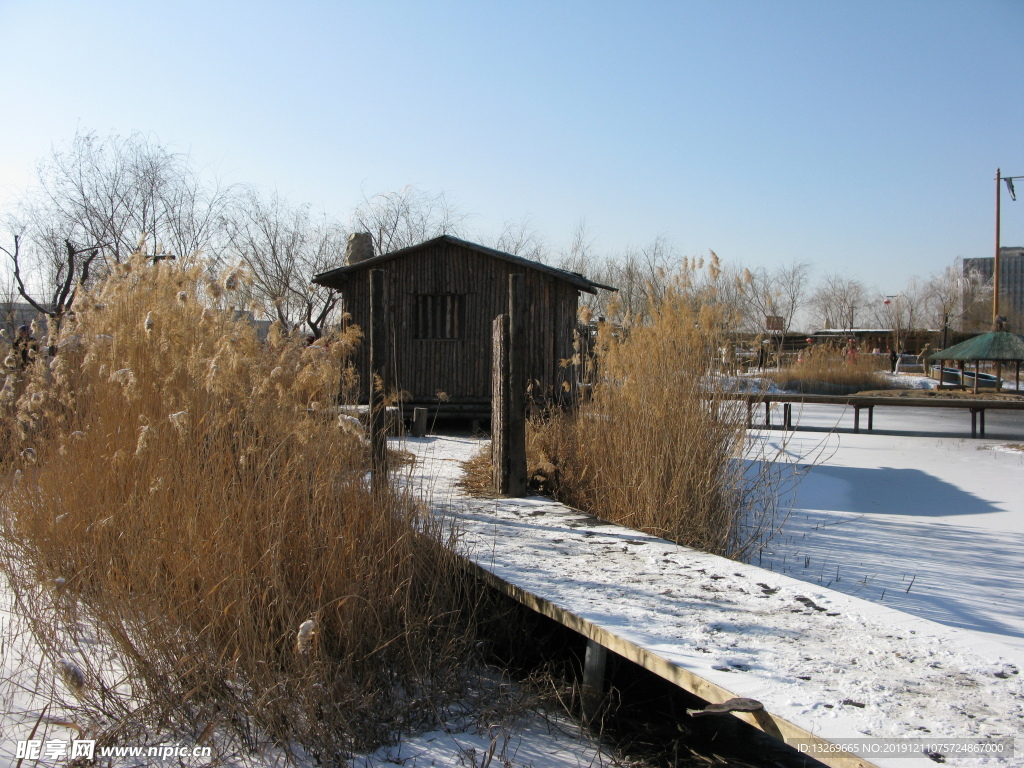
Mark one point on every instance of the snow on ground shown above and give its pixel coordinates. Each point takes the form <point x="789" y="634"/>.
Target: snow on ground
<point x="915" y="516"/>
<point x="516" y="739"/>
<point x="831" y="662"/>
<point x="533" y="742"/>
<point x="27" y="685"/>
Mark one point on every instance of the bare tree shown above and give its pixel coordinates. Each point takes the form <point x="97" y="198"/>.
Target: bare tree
<point x="408" y="217"/>
<point x="734" y="288"/>
<point x="520" y="239"/>
<point x="283" y="247"/>
<point x="68" y="268"/>
<point x="836" y="300"/>
<point x="959" y="298"/>
<point x="578" y="256"/>
<point x="902" y="312"/>
<point x="641" y="275"/>
<point x="779" y="293"/>
<point x="128" y="193"/>
<point x="96" y="202"/>
<point x="644" y="276"/>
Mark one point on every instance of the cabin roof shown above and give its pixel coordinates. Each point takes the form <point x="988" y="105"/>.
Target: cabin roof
<point x="335" y="278"/>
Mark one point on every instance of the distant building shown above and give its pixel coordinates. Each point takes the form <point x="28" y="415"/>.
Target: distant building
<point x="1011" y="280"/>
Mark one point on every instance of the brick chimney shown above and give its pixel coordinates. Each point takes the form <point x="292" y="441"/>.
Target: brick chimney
<point x="359" y="248"/>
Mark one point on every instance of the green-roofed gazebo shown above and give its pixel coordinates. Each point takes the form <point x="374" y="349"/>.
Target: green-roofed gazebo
<point x="995" y="346"/>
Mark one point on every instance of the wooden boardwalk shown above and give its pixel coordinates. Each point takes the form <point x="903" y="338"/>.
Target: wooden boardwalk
<point x="825" y="666"/>
<point x="600" y="638"/>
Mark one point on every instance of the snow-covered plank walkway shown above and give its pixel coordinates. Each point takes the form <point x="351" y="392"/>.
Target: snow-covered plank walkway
<point x="831" y="664"/>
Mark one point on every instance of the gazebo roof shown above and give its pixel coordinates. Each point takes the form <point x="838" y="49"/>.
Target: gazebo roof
<point x="996" y="345"/>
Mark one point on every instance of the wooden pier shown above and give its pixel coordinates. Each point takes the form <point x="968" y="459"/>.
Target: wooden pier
<point x="824" y="666"/>
<point x="600" y="641"/>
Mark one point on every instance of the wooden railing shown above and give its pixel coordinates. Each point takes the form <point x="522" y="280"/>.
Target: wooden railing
<point x="976" y="406"/>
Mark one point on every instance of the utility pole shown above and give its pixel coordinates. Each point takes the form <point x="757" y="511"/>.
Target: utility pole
<point x="995" y="263"/>
<point x="1008" y="180"/>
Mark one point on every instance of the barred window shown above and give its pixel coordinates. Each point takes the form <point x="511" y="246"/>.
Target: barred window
<point x="440" y="316"/>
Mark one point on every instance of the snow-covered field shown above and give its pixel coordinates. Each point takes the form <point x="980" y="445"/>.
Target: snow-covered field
<point x="932" y="525"/>
<point x="890" y="604"/>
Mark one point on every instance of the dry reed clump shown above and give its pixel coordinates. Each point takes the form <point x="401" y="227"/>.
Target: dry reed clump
<point x="826" y="370"/>
<point x="655" y="446"/>
<point x="191" y="494"/>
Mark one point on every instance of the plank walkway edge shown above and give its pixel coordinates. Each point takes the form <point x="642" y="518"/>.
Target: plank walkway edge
<point x="773" y="725"/>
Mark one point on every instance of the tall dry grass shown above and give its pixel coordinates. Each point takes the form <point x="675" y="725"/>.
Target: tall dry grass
<point x="656" y="446"/>
<point x="182" y="493"/>
<point x="828" y="370"/>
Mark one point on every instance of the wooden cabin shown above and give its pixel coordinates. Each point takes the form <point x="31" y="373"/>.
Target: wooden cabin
<point x="442" y="298"/>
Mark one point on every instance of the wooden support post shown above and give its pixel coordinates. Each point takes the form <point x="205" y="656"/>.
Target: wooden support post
<point x="378" y="348"/>
<point x="856" y="418"/>
<point x="767" y="414"/>
<point x="977" y="371"/>
<point x="419" y="422"/>
<point x="593" y="680"/>
<point x="517" y="310"/>
<point x="499" y="404"/>
<point x="977" y="422"/>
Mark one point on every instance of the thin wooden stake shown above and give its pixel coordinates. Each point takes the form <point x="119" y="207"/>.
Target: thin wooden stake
<point x="517" y="309"/>
<point x="499" y="404"/>
<point x="378" y="380"/>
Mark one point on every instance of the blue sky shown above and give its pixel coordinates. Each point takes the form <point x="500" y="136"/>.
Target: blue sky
<point x="862" y="137"/>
